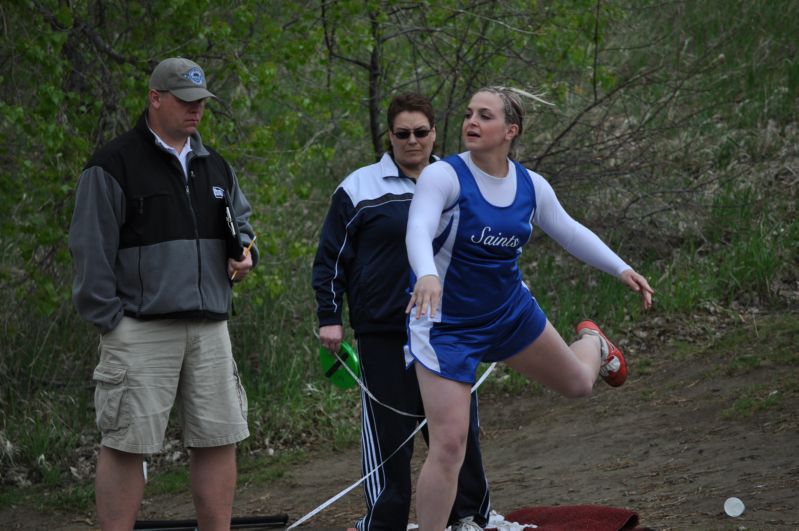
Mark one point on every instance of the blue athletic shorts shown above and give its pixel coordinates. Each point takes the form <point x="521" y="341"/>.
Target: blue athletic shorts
<point x="453" y="351"/>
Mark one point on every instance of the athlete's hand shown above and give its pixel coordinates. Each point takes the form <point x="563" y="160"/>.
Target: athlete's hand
<point x="426" y="294"/>
<point x="331" y="336"/>
<point x="640" y="285"/>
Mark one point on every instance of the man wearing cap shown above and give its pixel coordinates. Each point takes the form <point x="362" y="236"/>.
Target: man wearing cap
<point x="153" y="268"/>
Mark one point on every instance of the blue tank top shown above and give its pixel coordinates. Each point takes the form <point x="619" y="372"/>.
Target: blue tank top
<point x="476" y="255"/>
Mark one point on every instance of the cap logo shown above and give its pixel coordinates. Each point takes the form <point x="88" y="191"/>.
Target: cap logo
<point x="195" y="75"/>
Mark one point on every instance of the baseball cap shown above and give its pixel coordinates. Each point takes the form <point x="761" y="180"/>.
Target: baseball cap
<point x="184" y="79"/>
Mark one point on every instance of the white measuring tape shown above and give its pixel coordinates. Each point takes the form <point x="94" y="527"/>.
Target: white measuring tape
<point x="370" y="395"/>
<point x="338" y="496"/>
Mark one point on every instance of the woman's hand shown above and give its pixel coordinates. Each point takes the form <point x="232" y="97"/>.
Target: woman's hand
<point x="331" y="336"/>
<point x="426" y="294"/>
<point x="640" y="285"/>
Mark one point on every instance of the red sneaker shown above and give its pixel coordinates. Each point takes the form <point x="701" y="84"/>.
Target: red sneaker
<point x="613" y="368"/>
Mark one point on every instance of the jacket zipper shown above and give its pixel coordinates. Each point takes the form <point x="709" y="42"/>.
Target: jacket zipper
<point x="196" y="239"/>
<point x="141" y="285"/>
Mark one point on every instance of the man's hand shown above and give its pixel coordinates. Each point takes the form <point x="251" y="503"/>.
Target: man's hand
<point x="238" y="269"/>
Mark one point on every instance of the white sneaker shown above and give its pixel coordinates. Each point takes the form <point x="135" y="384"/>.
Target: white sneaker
<point x="498" y="522"/>
<point x="465" y="524"/>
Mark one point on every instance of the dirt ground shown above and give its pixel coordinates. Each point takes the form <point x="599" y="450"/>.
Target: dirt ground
<point x="664" y="445"/>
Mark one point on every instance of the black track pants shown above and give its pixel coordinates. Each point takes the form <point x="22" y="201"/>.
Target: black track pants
<point x="388" y="491"/>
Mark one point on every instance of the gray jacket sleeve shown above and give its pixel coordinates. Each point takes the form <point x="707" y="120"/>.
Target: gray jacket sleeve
<point x="243" y="210"/>
<point x="93" y="243"/>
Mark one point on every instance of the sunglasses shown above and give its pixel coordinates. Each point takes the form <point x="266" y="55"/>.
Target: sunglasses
<point x="404" y="134"/>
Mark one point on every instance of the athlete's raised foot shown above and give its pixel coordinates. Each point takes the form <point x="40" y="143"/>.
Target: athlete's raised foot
<point x="613" y="368"/>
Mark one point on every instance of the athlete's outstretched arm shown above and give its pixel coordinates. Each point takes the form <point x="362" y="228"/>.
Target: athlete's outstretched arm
<point x="583" y="243"/>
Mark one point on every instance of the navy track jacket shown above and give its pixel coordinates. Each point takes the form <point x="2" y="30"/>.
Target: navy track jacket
<point x="362" y="251"/>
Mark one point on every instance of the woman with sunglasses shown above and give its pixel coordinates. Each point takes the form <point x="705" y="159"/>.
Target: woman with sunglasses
<point x="362" y="253"/>
<point x="468" y="221"/>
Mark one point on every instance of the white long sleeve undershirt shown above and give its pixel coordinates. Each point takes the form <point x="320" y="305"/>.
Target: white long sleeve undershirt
<point x="438" y="188"/>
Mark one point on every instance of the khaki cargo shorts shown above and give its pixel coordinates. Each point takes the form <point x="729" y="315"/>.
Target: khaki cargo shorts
<point x="146" y="367"/>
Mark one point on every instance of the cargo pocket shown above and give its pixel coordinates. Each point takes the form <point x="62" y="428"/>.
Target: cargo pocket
<point x="108" y="397"/>
<point x="241" y="392"/>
